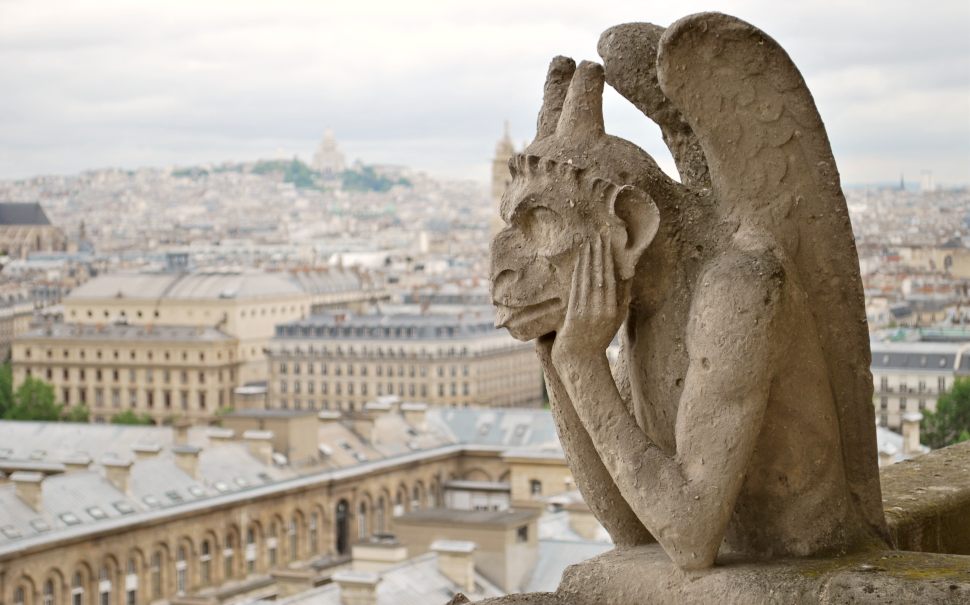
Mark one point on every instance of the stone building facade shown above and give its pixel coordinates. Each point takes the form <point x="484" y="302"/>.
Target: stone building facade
<point x="246" y="306"/>
<point x="164" y="371"/>
<point x="341" y="361"/>
<point x="209" y="515"/>
<point x="910" y="376"/>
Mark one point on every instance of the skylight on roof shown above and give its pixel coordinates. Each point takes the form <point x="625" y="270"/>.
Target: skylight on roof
<point x="125" y="508"/>
<point x="174" y="496"/>
<point x="40" y="525"/>
<point x="151" y="501"/>
<point x="241" y="481"/>
<point x="222" y="486"/>
<point x="10" y="531"/>
<point x="70" y="519"/>
<point x="265" y="477"/>
<point x="6" y="452"/>
<point x="96" y="513"/>
<point x="196" y="491"/>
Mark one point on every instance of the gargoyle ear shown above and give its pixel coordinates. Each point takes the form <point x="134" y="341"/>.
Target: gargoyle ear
<point x="641" y="219"/>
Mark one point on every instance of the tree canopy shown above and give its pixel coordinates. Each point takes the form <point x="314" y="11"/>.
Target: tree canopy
<point x="131" y="417"/>
<point x="34" y="400"/>
<point x="950" y="423"/>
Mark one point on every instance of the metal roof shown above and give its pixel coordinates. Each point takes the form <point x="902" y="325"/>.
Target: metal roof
<point x="187" y="286"/>
<point x="127" y="332"/>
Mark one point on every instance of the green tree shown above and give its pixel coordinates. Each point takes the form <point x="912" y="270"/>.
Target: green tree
<point x="950" y="423"/>
<point x="6" y="389"/>
<point x="34" y="400"/>
<point x="131" y="417"/>
<point x="77" y="413"/>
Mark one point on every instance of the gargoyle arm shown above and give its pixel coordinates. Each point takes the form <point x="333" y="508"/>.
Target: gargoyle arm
<point x="686" y="501"/>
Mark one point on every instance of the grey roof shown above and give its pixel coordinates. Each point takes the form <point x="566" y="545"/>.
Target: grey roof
<point x="916" y="356"/>
<point x="128" y="332"/>
<point x="502" y="518"/>
<point x="332" y="280"/>
<point x="509" y="427"/>
<point x="472" y="321"/>
<point x="417" y="581"/>
<point x="187" y="286"/>
<point x="29" y="213"/>
<point x="555" y="556"/>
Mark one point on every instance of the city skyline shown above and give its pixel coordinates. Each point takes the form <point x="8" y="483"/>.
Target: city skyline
<point x="177" y="84"/>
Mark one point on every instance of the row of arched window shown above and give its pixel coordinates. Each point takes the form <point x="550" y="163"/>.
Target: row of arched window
<point x="193" y="563"/>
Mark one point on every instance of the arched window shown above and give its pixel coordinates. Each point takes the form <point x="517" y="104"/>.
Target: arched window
<point x="49" y="592"/>
<point x="156" y="573"/>
<point x="251" y="550"/>
<point x="379" y="516"/>
<point x="228" y="556"/>
<point x="312" y="533"/>
<point x="362" y="520"/>
<point x="205" y="563"/>
<point x="181" y="570"/>
<point x="104" y="586"/>
<point x="131" y="582"/>
<point x="77" y="589"/>
<point x="19" y="596"/>
<point x="271" y="541"/>
<point x="415" y="498"/>
<point x="294" y="542"/>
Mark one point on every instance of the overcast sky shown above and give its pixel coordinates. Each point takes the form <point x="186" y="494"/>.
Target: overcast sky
<point x="428" y="84"/>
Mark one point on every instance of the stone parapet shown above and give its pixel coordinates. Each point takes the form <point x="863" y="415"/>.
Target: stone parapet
<point x="927" y="501"/>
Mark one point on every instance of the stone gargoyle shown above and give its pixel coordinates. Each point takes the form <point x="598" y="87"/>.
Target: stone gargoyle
<point x="739" y="417"/>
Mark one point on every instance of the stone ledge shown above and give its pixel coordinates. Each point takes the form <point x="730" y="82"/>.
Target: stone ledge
<point x="646" y="575"/>
<point x="927" y="501"/>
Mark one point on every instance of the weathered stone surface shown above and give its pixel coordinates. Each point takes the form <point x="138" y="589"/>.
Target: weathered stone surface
<point x="645" y="575"/>
<point x="741" y="418"/>
<point x="927" y="501"/>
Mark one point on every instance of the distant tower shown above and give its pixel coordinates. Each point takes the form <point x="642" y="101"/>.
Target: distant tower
<point x="902" y="182"/>
<point x="501" y="178"/>
<point x="328" y="160"/>
<point x="926" y="184"/>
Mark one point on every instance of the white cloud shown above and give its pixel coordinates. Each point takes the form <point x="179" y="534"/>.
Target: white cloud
<point x="429" y="83"/>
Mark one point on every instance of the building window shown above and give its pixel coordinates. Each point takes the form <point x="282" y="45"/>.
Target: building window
<point x="131" y="583"/>
<point x="201" y="400"/>
<point x="271" y="542"/>
<point x="180" y="570"/>
<point x="522" y="534"/>
<point x="77" y="589"/>
<point x="48" y="593"/>
<point x="228" y="556"/>
<point x="250" y="550"/>
<point x="104" y="586"/>
<point x="294" y="552"/>
<point x="205" y="563"/>
<point x="535" y="487"/>
<point x="313" y="532"/>
<point x="19" y="596"/>
<point x="884" y="403"/>
<point x="184" y="399"/>
<point x="362" y="521"/>
<point x="941" y="384"/>
<point x="902" y="404"/>
<point x="156" y="573"/>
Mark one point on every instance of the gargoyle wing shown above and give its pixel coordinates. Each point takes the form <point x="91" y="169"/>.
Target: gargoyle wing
<point x="771" y="167"/>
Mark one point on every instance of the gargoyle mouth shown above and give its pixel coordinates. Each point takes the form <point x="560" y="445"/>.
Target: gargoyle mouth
<point x="509" y="317"/>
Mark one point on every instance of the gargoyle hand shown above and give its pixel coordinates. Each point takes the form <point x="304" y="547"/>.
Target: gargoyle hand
<point x="593" y="313"/>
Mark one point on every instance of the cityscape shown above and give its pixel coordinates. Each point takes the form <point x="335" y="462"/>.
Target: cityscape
<point x="281" y="379"/>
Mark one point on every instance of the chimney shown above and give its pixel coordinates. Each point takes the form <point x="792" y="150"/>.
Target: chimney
<point x="327" y="416"/>
<point x="220" y="435"/>
<point x="456" y="562"/>
<point x="414" y="414"/>
<point x="76" y="462"/>
<point x="145" y="450"/>
<point x="911" y="444"/>
<point x="181" y="428"/>
<point x="260" y="445"/>
<point x="357" y="587"/>
<point x="887" y="454"/>
<point x="28" y="487"/>
<point x="117" y="472"/>
<point x="187" y="459"/>
<point x="378" y="553"/>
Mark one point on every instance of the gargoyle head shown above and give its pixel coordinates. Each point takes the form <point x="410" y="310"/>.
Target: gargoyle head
<point x="572" y="182"/>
